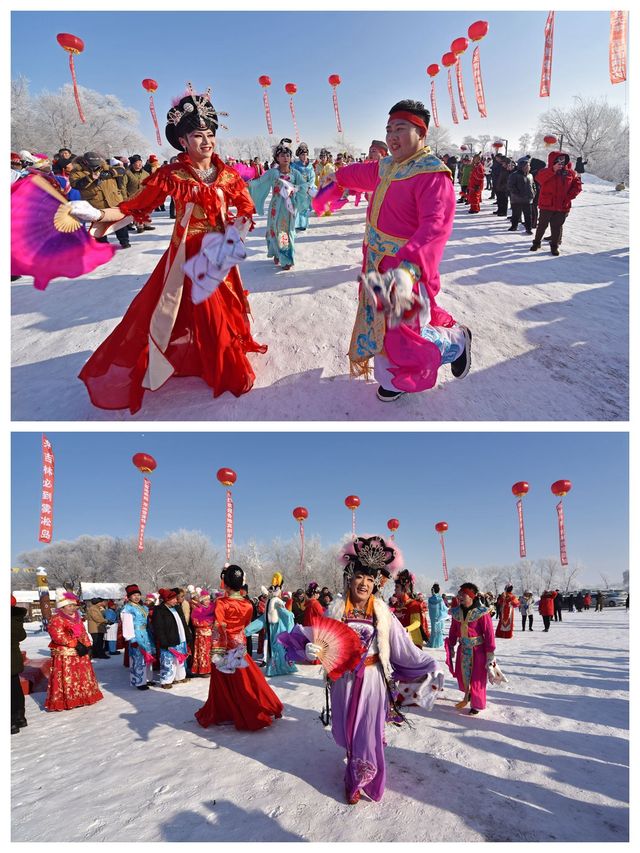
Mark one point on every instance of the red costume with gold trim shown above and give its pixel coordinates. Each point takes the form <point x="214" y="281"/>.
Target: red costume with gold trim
<point x="72" y="682"/>
<point x="506" y="604"/>
<point x="163" y="333"/>
<point x="202" y="623"/>
<point x="409" y="614"/>
<point x="242" y="697"/>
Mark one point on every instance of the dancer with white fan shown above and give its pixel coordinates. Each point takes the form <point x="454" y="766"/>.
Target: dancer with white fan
<point x="362" y="660"/>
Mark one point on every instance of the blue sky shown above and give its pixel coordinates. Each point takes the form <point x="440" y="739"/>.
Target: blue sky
<point x="381" y="57"/>
<point x="419" y="478"/>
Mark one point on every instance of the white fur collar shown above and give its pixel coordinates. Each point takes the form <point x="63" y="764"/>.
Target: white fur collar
<point x="383" y="624"/>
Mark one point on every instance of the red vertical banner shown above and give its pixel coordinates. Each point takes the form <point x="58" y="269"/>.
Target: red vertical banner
<point x="229" y="524"/>
<point x="152" y="108"/>
<point x="445" y="570"/>
<point x="144" y="511"/>
<point x="547" y="58"/>
<point x="563" y="544"/>
<point x="461" y="95"/>
<point x="434" y="106"/>
<point x="523" y="546"/>
<point x="293" y="116"/>
<point x="454" y="114"/>
<point x="76" y="94"/>
<point x="267" y="110"/>
<point x="336" y="110"/>
<point x="618" y="47"/>
<point x="477" y="82"/>
<point x="301" y="544"/>
<point x="46" y="496"/>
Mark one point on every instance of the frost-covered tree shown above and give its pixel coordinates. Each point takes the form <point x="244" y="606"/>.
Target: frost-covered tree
<point x="49" y="121"/>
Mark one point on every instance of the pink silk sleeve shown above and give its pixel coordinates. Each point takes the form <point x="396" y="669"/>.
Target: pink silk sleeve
<point x="361" y="177"/>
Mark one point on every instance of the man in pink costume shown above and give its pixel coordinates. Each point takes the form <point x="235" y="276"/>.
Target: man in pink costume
<point x="471" y="628"/>
<point x="409" y="220"/>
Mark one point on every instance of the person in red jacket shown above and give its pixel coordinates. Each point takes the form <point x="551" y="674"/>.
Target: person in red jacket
<point x="313" y="609"/>
<point x="587" y="600"/>
<point x="506" y="605"/>
<point x="559" y="185"/>
<point x="476" y="183"/>
<point x="545" y="607"/>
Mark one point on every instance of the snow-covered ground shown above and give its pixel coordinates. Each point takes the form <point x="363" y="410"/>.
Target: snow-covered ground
<point x="550" y="334"/>
<point x="547" y="761"/>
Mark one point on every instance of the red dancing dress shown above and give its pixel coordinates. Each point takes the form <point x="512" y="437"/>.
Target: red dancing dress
<point x="163" y="333"/>
<point x="507" y="603"/>
<point x="202" y="622"/>
<point x="242" y="697"/>
<point x="313" y="610"/>
<point x="72" y="682"/>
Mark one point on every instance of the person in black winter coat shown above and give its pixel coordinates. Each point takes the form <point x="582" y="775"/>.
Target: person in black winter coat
<point x="18" y="718"/>
<point x="502" y="186"/>
<point x="558" y="603"/>
<point x="535" y="166"/>
<point x="167" y="636"/>
<point x="521" y="188"/>
<point x="580" y="164"/>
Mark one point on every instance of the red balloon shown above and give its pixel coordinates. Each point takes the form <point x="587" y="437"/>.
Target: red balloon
<point x="226" y="476"/>
<point x="449" y="59"/>
<point x="264" y="80"/>
<point x="561" y="487"/>
<point x="72" y="44"/>
<point x="150" y="85"/>
<point x="442" y="527"/>
<point x="144" y="463"/>
<point x="434" y="69"/>
<point x="478" y="30"/>
<point x="550" y="139"/>
<point x="393" y="524"/>
<point x="352" y="502"/>
<point x="300" y="513"/>
<point x="290" y="88"/>
<point x="334" y="80"/>
<point x="459" y="46"/>
<point x="520" y="489"/>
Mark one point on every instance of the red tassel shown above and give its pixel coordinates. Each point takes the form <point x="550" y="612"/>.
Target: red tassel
<point x="75" y="89"/>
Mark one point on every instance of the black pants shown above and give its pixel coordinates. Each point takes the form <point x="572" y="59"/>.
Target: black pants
<point x="557" y="615"/>
<point x="503" y="202"/>
<point x="122" y="234"/>
<point x="17" y="699"/>
<point x="172" y="209"/>
<point x="521" y="210"/>
<point x="547" y="622"/>
<point x="554" y="218"/>
<point x="524" y="622"/>
<point x="98" y="645"/>
<point x="489" y="182"/>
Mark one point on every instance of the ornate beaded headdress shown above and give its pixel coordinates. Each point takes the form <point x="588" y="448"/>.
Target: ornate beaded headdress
<point x="200" y="104"/>
<point x="370" y="555"/>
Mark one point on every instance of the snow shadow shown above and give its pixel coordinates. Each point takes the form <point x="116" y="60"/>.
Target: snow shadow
<point x="299" y="280"/>
<point x="224" y="821"/>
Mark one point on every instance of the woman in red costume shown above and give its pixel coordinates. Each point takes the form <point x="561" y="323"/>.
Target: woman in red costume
<point x="163" y="333"/>
<point x="238" y="691"/>
<point x="408" y="610"/>
<point x="202" y="622"/>
<point x="72" y="682"/>
<point x="313" y="610"/>
<point x="507" y="603"/>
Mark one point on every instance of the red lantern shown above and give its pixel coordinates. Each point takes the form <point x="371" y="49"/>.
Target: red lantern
<point x="464" y="147"/>
<point x="226" y="476"/>
<point x="442" y="527"/>
<point x="449" y="59"/>
<point x="393" y="524"/>
<point x="478" y="30"/>
<point x="144" y="463"/>
<point x="497" y="145"/>
<point x="334" y="81"/>
<point x="265" y="81"/>
<point x="290" y="88"/>
<point x="432" y="70"/>
<point x="520" y="489"/>
<point x="151" y="86"/>
<point x="561" y="487"/>
<point x="352" y="502"/>
<point x="458" y="46"/>
<point x="73" y="45"/>
<point x="549" y="139"/>
<point x="300" y="513"/>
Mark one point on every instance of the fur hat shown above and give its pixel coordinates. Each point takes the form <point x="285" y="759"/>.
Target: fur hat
<point x="131" y="589"/>
<point x="67" y="598"/>
<point x="167" y="594"/>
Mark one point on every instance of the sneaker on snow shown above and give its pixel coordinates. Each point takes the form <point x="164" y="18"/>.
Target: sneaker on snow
<point x="461" y="366"/>
<point x="388" y="396"/>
